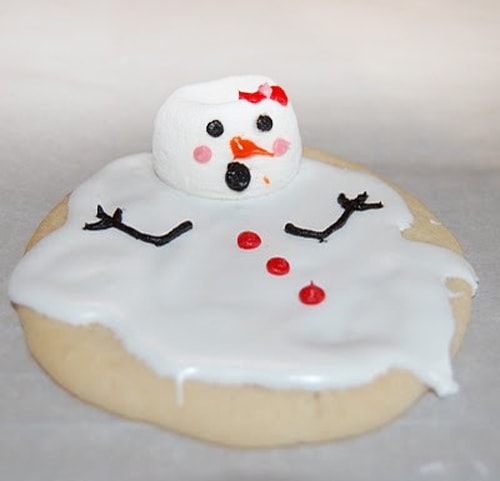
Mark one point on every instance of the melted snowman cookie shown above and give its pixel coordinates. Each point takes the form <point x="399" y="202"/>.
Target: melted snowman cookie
<point x="312" y="312"/>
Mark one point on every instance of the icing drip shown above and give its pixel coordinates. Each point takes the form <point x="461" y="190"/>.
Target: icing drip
<point x="206" y="309"/>
<point x="180" y="379"/>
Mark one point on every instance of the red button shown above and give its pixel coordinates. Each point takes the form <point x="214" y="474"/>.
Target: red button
<point x="278" y="266"/>
<point x="312" y="294"/>
<point x="249" y="240"/>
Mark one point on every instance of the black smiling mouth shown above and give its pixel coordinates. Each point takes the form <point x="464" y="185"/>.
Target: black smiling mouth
<point x="237" y="176"/>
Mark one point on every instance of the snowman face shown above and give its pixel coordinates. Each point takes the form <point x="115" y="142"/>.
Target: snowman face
<point x="233" y="138"/>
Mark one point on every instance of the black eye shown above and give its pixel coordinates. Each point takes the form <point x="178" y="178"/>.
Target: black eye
<point x="215" y="128"/>
<point x="264" y="123"/>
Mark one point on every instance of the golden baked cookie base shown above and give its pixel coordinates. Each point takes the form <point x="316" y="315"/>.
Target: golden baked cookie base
<point x="92" y="364"/>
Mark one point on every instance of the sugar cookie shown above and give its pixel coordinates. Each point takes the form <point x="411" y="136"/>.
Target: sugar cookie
<point x="229" y="287"/>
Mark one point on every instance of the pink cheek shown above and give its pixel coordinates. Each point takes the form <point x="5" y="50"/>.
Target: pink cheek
<point x="280" y="146"/>
<point x="202" y="154"/>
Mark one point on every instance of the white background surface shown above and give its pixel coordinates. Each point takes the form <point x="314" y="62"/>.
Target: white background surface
<point x="409" y="88"/>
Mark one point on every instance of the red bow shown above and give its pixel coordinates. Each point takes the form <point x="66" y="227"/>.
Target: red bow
<point x="264" y="91"/>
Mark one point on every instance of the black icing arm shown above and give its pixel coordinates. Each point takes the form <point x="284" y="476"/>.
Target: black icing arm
<point x="115" y="221"/>
<point x="349" y="205"/>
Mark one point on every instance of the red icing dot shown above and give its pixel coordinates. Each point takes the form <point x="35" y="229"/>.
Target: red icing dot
<point x="278" y="266"/>
<point x="249" y="240"/>
<point x="312" y="294"/>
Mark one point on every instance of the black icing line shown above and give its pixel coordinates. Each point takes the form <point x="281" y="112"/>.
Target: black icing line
<point x="115" y="221"/>
<point x="349" y="205"/>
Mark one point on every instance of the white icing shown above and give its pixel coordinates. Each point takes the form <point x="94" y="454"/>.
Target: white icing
<point x="180" y="127"/>
<point x="202" y="308"/>
<point x="181" y="378"/>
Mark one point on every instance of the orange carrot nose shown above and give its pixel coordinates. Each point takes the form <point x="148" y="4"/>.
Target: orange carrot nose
<point x="243" y="148"/>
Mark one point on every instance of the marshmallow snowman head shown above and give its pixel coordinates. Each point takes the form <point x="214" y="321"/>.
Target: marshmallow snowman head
<point x="232" y="138"/>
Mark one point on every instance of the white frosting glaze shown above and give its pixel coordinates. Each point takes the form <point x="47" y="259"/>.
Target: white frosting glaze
<point x="201" y="308"/>
<point x="180" y="128"/>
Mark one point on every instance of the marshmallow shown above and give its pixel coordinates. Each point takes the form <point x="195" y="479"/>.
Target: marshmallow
<point x="233" y="138"/>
